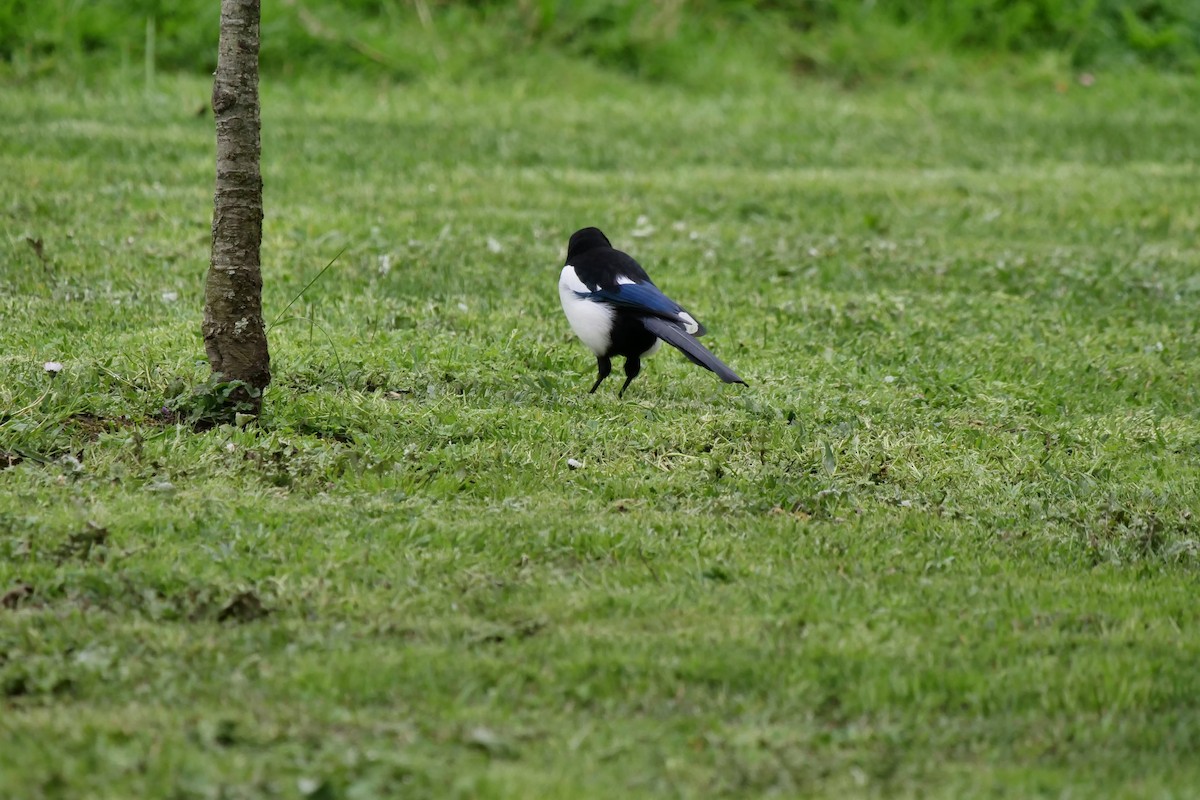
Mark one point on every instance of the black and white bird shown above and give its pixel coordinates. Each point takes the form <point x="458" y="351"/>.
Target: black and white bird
<point x="616" y="310"/>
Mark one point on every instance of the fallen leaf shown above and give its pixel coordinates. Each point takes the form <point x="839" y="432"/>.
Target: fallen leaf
<point x="828" y="460"/>
<point x="488" y="741"/>
<point x="316" y="789"/>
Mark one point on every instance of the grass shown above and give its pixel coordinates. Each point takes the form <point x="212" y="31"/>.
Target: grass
<point x="700" y="43"/>
<point x="945" y="544"/>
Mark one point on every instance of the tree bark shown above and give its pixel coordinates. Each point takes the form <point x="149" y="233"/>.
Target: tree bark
<point x="235" y="337"/>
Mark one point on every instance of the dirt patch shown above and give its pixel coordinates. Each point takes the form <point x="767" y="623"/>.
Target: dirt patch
<point x="80" y="545"/>
<point x="244" y="607"/>
<point x="16" y="595"/>
<point x="92" y="425"/>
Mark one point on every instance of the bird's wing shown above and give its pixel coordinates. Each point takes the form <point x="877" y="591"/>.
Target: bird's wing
<point x="649" y="300"/>
<point x="697" y="353"/>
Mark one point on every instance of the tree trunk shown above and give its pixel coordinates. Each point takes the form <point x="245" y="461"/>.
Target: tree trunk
<point x="235" y="337"/>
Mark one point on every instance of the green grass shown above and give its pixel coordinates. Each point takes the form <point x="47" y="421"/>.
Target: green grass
<point x="945" y="544"/>
<point x="698" y="43"/>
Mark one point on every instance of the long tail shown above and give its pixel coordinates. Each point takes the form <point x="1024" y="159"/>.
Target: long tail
<point x="696" y="352"/>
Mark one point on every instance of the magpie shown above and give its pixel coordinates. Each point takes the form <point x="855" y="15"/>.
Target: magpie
<point x="616" y="310"/>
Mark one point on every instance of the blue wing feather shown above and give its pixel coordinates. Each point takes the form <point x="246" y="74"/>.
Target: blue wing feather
<point x="645" y="298"/>
<point x="637" y="296"/>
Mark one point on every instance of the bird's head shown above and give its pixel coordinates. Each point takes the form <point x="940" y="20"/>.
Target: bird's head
<point x="584" y="240"/>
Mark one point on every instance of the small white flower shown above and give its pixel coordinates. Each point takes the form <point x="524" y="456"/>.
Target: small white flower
<point x="53" y="367"/>
<point x="493" y="245"/>
<point x="574" y="464"/>
<point x="643" y="229"/>
<point x="170" y="297"/>
<point x="889" y="378"/>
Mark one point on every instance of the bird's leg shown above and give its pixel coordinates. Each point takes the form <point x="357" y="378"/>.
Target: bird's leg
<point x="633" y="365"/>
<point x="604" y="365"/>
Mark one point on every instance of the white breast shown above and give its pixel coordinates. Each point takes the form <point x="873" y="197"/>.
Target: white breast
<point x="591" y="321"/>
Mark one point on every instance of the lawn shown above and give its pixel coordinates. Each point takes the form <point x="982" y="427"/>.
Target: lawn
<point x="944" y="544"/>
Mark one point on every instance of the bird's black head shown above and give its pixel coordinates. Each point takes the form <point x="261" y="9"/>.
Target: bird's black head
<point x="584" y="240"/>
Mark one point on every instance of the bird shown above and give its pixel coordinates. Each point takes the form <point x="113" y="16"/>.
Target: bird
<point x="616" y="310"/>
